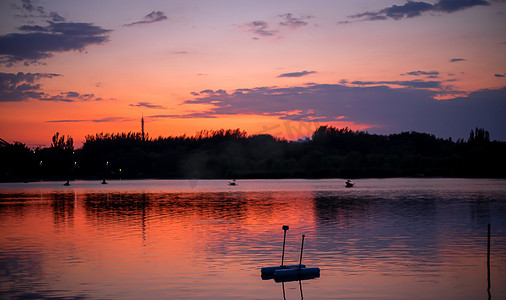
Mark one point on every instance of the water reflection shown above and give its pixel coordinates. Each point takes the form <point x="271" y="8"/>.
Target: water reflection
<point x="63" y="208"/>
<point x="378" y="240"/>
<point x="300" y="289"/>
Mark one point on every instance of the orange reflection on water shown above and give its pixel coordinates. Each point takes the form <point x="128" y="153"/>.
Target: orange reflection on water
<point x="211" y="245"/>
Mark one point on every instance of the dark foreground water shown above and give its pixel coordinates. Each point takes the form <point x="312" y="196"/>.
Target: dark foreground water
<point x="161" y="239"/>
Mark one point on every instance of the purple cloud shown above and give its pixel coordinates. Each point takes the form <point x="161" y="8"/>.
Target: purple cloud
<point x="455" y="5"/>
<point x="28" y="9"/>
<point x="260" y="28"/>
<point x="71" y="97"/>
<point x="29" y="6"/>
<point x="22" y="87"/>
<point x="457" y="59"/>
<point x="412" y="9"/>
<point x="384" y="109"/>
<point x="296" y="74"/>
<point x="292" y="22"/>
<point x="500" y="75"/>
<point x="210" y="92"/>
<point x="152" y="17"/>
<point x="56" y="17"/>
<point x="408" y="10"/>
<point x="147" y="105"/>
<point x="40" y="42"/>
<point x="429" y="74"/>
<point x="420" y="84"/>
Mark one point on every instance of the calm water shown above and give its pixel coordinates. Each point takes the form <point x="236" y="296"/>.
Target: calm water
<point x="184" y="239"/>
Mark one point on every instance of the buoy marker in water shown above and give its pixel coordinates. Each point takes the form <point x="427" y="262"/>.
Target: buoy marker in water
<point x="293" y="272"/>
<point x="301" y="272"/>
<point x="269" y="271"/>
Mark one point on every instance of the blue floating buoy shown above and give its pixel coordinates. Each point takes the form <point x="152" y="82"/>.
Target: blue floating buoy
<point x="302" y="272"/>
<point x="291" y="272"/>
<point x="271" y="270"/>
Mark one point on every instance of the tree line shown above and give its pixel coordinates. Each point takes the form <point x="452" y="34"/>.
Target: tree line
<point x="330" y="153"/>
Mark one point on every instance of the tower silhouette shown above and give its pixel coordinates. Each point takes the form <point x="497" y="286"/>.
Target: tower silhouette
<point x="142" y="126"/>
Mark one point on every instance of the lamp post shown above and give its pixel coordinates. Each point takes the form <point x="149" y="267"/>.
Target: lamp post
<point x="106" y="171"/>
<point x="40" y="167"/>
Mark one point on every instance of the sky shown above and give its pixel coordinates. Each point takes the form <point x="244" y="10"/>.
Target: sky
<point x="278" y="67"/>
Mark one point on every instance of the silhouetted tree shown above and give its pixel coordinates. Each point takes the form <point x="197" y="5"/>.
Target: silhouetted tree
<point x="332" y="152"/>
<point x="17" y="162"/>
<point x="479" y="136"/>
<point x="59" y="142"/>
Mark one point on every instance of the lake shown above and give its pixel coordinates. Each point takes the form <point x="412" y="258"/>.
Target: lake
<point x="409" y="238"/>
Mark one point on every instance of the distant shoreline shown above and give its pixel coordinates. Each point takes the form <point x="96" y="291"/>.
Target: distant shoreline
<point x="99" y="180"/>
<point x="232" y="154"/>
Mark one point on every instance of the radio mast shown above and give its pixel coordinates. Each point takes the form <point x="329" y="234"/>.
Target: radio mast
<point x="142" y="126"/>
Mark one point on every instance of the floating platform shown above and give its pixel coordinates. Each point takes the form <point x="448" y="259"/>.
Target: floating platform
<point x="295" y="278"/>
<point x="269" y="271"/>
<point x="283" y="275"/>
<point x="296" y="272"/>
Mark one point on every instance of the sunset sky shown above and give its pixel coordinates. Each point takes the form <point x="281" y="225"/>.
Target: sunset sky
<point x="279" y="67"/>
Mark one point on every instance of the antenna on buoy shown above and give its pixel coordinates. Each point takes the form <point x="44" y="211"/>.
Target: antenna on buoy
<point x="285" y="228"/>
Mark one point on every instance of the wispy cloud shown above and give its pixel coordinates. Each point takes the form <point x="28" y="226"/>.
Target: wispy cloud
<point x="428" y="74"/>
<point x="30" y="10"/>
<point x="193" y="115"/>
<point x="293" y="22"/>
<point x="297" y="74"/>
<point x="412" y="9"/>
<point x="420" y="84"/>
<point x="29" y="6"/>
<point x="152" y="17"/>
<point x="260" y="28"/>
<point x="101" y="120"/>
<point x="71" y="97"/>
<point x="500" y="75"/>
<point x="210" y="92"/>
<point x="457" y="59"/>
<point x="147" y="105"/>
<point x="23" y="87"/>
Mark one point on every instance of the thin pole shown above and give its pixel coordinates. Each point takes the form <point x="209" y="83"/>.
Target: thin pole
<point x="301" y="248"/>
<point x="488" y="263"/>
<point x="285" y="228"/>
